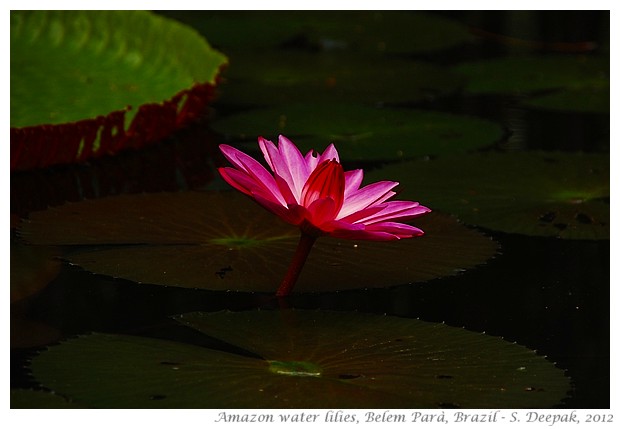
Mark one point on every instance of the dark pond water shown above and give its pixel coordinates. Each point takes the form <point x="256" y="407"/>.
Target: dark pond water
<point x="548" y="294"/>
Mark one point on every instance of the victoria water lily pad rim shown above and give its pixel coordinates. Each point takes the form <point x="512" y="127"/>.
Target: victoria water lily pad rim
<point x="101" y="81"/>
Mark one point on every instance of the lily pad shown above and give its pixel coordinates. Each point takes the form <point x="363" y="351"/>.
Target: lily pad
<point x="32" y="269"/>
<point x="581" y="82"/>
<point x="29" y="333"/>
<point x="267" y="79"/>
<point x="304" y="359"/>
<point x="364" y="133"/>
<point x="35" y="399"/>
<point x="88" y="83"/>
<point x="554" y="194"/>
<point x="586" y="100"/>
<point x="224" y="241"/>
<point x="358" y="31"/>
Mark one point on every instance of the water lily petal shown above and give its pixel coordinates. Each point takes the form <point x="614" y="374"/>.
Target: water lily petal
<point x="269" y="150"/>
<point x="329" y="154"/>
<point x="285" y="190"/>
<point x="287" y="162"/>
<point x="314" y="189"/>
<point x="357" y="216"/>
<point x="282" y="212"/>
<point x="353" y="180"/>
<point x="249" y="185"/>
<point x="372" y="194"/>
<point x="326" y="181"/>
<point x="353" y="234"/>
<point x="279" y="165"/>
<point x="396" y="210"/>
<point x="402" y="230"/>
<point x="322" y="211"/>
<point x="253" y="169"/>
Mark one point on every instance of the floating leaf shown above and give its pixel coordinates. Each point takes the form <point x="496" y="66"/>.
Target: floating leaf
<point x="32" y="269"/>
<point x="88" y="83"/>
<point x="535" y="193"/>
<point x="33" y="399"/>
<point x="587" y="100"/>
<point x="224" y="241"/>
<point x="358" y="31"/>
<point x="583" y="79"/>
<point x="299" y="77"/>
<point x="29" y="333"/>
<point x="310" y="359"/>
<point x="364" y="133"/>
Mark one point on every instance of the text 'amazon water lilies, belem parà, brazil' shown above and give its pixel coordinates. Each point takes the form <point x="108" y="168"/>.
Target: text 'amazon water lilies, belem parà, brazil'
<point x="316" y="194"/>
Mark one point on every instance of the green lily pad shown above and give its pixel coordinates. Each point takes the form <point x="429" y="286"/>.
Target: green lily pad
<point x="86" y="83"/>
<point x="308" y="359"/>
<point x="224" y="241"/>
<point x="267" y="79"/>
<point x="586" y="100"/>
<point x="35" y="399"/>
<point x="584" y="80"/>
<point x="359" y="31"/>
<point x="534" y="193"/>
<point x="364" y="133"/>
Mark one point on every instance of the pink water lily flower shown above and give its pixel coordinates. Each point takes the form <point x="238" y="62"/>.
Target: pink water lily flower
<point x="316" y="194"/>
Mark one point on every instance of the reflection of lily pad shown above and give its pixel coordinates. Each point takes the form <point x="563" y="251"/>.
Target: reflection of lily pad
<point x="88" y="83"/>
<point x="275" y="79"/>
<point x="359" y="31"/>
<point x="364" y="133"/>
<point x="226" y="242"/>
<point x="547" y="194"/>
<point x="310" y="359"/>
<point x="583" y="80"/>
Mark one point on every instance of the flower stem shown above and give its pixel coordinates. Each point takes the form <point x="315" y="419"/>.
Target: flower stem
<point x="299" y="259"/>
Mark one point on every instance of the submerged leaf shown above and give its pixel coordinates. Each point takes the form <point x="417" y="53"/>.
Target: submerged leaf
<point x="364" y="133"/>
<point x="534" y="193"/>
<point x="223" y="241"/>
<point x="310" y="359"/>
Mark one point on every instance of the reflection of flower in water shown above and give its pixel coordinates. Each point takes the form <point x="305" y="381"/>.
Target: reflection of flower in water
<point x="315" y="193"/>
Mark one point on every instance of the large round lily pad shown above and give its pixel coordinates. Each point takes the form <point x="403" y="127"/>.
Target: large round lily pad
<point x="32" y="269"/>
<point x="579" y="83"/>
<point x="534" y="193"/>
<point x="304" y="359"/>
<point x="224" y="241"/>
<point x="33" y="399"/>
<point x="359" y="31"/>
<point x="533" y="73"/>
<point x="299" y="77"/>
<point x="364" y="133"/>
<point x="586" y="100"/>
<point x="87" y="83"/>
